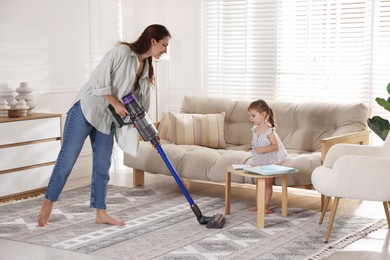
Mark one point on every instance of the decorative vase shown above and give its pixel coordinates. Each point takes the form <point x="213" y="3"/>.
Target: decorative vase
<point x="30" y="105"/>
<point x="6" y="93"/>
<point x="4" y="108"/>
<point x="21" y="108"/>
<point x="24" y="92"/>
<point x="13" y="102"/>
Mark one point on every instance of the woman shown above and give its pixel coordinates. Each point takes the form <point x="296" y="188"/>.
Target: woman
<point x="124" y="69"/>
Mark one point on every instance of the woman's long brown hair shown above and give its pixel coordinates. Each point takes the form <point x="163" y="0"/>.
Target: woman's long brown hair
<point x="144" y="41"/>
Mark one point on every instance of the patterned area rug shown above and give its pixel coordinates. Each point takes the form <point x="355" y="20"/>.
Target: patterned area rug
<point x="161" y="225"/>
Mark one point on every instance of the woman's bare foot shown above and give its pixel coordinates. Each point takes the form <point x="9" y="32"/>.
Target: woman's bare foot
<point x="103" y="218"/>
<point x="266" y="211"/>
<point x="44" y="214"/>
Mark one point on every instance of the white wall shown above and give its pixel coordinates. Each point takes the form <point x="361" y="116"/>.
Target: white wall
<point x="183" y="70"/>
<point x="180" y="75"/>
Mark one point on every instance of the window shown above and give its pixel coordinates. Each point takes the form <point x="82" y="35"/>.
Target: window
<point x="302" y="50"/>
<point x="239" y="48"/>
<point x="323" y="50"/>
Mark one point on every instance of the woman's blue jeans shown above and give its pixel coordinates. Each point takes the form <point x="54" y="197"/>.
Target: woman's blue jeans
<point x="76" y="130"/>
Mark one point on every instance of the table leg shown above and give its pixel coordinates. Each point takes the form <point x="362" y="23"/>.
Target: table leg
<point x="260" y="202"/>
<point x="284" y="196"/>
<point x="227" y="192"/>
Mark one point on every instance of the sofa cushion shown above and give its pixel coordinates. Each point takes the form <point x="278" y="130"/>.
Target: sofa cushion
<point x="194" y="129"/>
<point x="303" y="125"/>
<point x="164" y="130"/>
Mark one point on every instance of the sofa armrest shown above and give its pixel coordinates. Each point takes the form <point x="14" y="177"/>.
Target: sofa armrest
<point x="360" y="137"/>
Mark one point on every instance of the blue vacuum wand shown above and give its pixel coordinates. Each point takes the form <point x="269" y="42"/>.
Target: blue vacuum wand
<point x="149" y="133"/>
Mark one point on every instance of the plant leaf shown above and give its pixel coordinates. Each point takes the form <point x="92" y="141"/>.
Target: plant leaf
<point x="383" y="103"/>
<point x="388" y="88"/>
<point x="379" y="126"/>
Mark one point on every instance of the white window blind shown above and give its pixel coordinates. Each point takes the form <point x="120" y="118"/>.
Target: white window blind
<point x="323" y="50"/>
<point x="239" y="48"/>
<point x="297" y="50"/>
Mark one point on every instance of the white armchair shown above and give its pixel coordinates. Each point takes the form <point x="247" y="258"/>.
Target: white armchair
<point x="355" y="172"/>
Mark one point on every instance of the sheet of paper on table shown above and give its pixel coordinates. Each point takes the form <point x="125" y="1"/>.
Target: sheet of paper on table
<point x="271" y="169"/>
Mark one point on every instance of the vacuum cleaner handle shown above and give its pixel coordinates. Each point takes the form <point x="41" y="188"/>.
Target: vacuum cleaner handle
<point x="118" y="121"/>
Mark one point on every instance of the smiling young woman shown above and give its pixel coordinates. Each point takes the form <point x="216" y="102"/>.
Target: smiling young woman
<point x="127" y="68"/>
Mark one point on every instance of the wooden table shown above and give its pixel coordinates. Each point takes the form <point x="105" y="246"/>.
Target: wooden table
<point x="260" y="196"/>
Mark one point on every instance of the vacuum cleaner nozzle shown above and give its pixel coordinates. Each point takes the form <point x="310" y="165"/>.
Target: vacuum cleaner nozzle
<point x="218" y="221"/>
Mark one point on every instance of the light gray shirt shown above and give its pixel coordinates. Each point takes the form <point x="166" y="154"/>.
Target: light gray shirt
<point x="114" y="75"/>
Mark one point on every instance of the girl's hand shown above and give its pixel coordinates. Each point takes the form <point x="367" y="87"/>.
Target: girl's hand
<point x="248" y="147"/>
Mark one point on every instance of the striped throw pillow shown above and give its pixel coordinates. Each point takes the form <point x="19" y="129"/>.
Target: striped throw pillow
<point x="194" y="129"/>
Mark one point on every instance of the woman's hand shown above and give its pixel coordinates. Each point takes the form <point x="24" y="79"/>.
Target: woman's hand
<point x="119" y="107"/>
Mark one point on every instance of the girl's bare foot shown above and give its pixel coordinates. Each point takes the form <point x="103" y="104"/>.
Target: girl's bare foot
<point x="253" y="209"/>
<point x="266" y="211"/>
<point x="103" y="218"/>
<point x="44" y="214"/>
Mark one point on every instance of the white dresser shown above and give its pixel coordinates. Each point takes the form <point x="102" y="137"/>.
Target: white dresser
<point x="28" y="150"/>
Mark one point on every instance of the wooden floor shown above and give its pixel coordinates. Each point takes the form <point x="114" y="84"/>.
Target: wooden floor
<point x="374" y="246"/>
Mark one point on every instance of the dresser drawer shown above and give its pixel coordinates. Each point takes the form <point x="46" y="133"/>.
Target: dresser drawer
<point x="25" y="180"/>
<point x="29" y="154"/>
<point x="29" y="130"/>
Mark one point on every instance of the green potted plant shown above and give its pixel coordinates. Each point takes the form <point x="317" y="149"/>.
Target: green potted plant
<point x="377" y="124"/>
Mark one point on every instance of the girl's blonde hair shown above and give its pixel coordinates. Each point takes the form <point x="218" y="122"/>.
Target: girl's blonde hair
<point x="262" y="106"/>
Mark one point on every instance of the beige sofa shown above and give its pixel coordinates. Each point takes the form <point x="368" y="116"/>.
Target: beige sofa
<point x="201" y="148"/>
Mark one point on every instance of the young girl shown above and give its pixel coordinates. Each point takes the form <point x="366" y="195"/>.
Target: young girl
<point x="266" y="146"/>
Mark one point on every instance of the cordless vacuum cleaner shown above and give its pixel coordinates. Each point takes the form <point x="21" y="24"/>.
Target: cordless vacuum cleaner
<point x="149" y="133"/>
